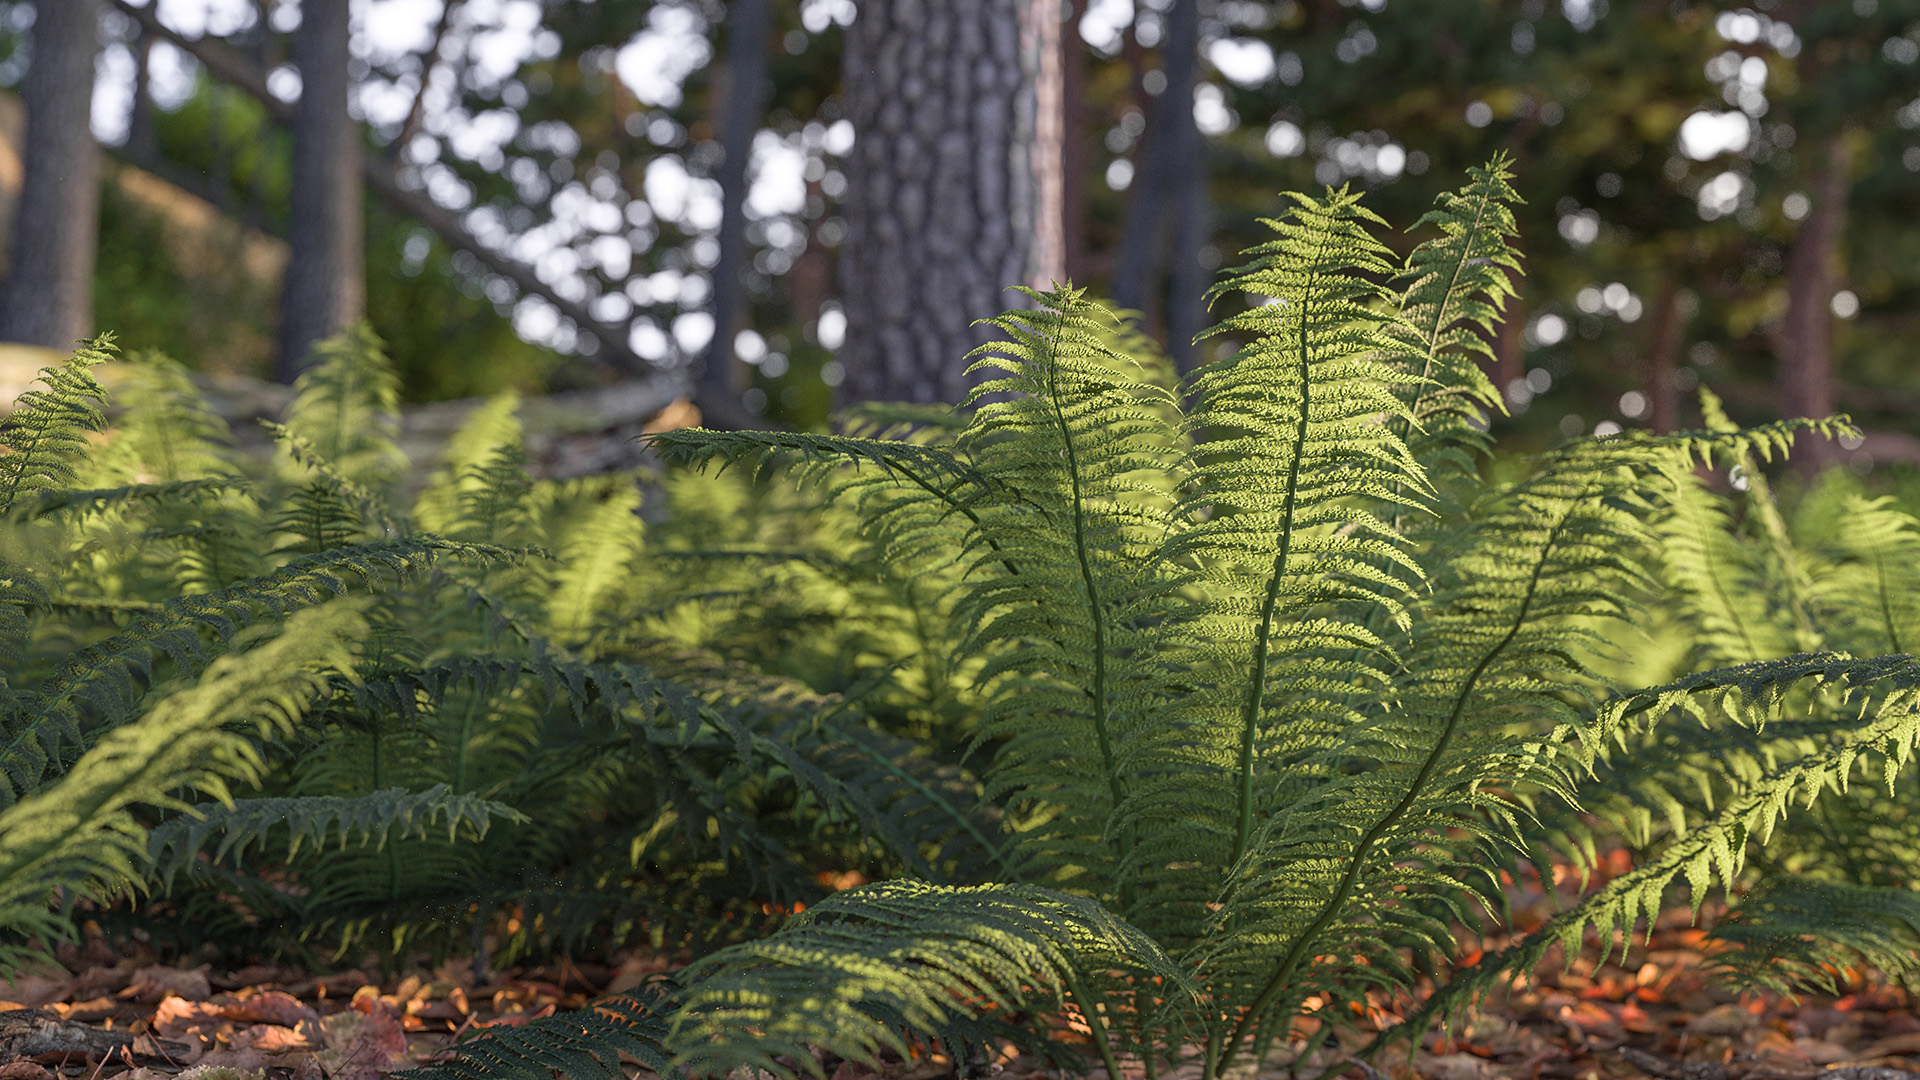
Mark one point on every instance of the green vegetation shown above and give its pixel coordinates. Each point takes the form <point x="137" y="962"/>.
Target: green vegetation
<point x="1173" y="711"/>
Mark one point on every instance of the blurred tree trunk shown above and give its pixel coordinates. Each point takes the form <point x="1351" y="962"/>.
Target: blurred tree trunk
<point x="947" y="185"/>
<point x="325" y="286"/>
<point x="1666" y="334"/>
<point x="48" y="297"/>
<point x="1165" y="223"/>
<point x="1804" y="339"/>
<point x="742" y="107"/>
<point x="1074" y="115"/>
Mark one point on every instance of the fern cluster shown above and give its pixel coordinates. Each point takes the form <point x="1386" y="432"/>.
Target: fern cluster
<point x="1172" y="711"/>
<point x="385" y="727"/>
<point x="1274" y="676"/>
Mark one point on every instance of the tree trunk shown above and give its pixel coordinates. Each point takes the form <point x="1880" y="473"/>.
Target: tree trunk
<point x="48" y="297"/>
<point x="1164" y="226"/>
<point x="942" y="194"/>
<point x="325" y="286"/>
<point x="1805" y="338"/>
<point x="1665" y="336"/>
<point x="749" y="35"/>
<point x="1074" y="160"/>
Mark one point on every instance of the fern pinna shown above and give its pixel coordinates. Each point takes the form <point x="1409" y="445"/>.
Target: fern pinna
<point x="1271" y="675"/>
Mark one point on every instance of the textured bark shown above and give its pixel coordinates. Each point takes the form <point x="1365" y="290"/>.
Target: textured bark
<point x="940" y="201"/>
<point x="1165" y="223"/>
<point x="325" y="286"/>
<point x="48" y="297"/>
<point x="1804" y="340"/>
<point x="749" y="36"/>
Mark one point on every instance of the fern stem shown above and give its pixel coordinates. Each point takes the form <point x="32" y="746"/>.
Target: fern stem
<point x="1263" y="634"/>
<point x="1298" y="950"/>
<point x="1096" y="1029"/>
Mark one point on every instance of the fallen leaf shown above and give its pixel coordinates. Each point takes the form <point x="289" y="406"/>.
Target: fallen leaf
<point x="151" y="985"/>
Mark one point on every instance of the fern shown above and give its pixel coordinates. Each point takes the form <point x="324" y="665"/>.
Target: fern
<point x="370" y="820"/>
<point x="79" y="834"/>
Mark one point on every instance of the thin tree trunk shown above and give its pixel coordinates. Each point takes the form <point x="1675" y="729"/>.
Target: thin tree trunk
<point x="1073" y="145"/>
<point x="1805" y="338"/>
<point x="744" y="104"/>
<point x="1163" y="227"/>
<point x="1043" y="125"/>
<point x="48" y="296"/>
<point x="1666" y="334"/>
<point x="325" y="286"/>
<point x="1509" y="344"/>
<point x="940" y="201"/>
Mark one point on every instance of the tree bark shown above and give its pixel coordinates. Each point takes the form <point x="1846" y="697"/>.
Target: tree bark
<point x="325" y="286"/>
<point x="749" y="35"/>
<point x="1164" y="226"/>
<point x="941" y="190"/>
<point x="1804" y="340"/>
<point x="48" y="296"/>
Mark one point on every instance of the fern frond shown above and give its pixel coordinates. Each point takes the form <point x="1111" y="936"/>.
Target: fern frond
<point x="369" y="820"/>
<point x="851" y="972"/>
<point x="46" y="432"/>
<point x="1883" y="693"/>
<point x="1453" y="290"/>
<point x="1798" y="934"/>
<point x="1293" y="449"/>
<point x="583" y="1045"/>
<point x="77" y="834"/>
<point x="108" y="678"/>
<point x="346" y="405"/>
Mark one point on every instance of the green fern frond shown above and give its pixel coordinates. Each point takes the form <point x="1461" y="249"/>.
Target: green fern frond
<point x="1712" y="849"/>
<point x="1798" y="934"/>
<point x="100" y="500"/>
<point x="78" y="835"/>
<point x="1453" y="290"/>
<point x="368" y="820"/>
<point x="346" y="406"/>
<point x="47" y="431"/>
<point x="108" y="678"/>
<point x="594" y="563"/>
<point x="848" y="973"/>
<point x="583" y="1045"/>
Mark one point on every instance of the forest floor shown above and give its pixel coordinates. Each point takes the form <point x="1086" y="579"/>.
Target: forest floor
<point x="107" y="1012"/>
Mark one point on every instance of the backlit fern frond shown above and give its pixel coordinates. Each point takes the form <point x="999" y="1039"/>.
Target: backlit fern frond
<point x="1453" y="290"/>
<point x="1076" y="612"/>
<point x="861" y="970"/>
<point x="1870" y="598"/>
<point x="47" y="431"/>
<point x="77" y="833"/>
<point x="366" y="820"/>
<point x="345" y="406"/>
<point x="1710" y="849"/>
<point x="1292" y="450"/>
<point x="107" y="679"/>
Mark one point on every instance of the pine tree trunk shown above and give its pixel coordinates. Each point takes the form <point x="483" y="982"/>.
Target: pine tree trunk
<point x="942" y="197"/>
<point x="48" y="296"/>
<point x="1804" y="340"/>
<point x="325" y="286"/>
<point x="749" y="34"/>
